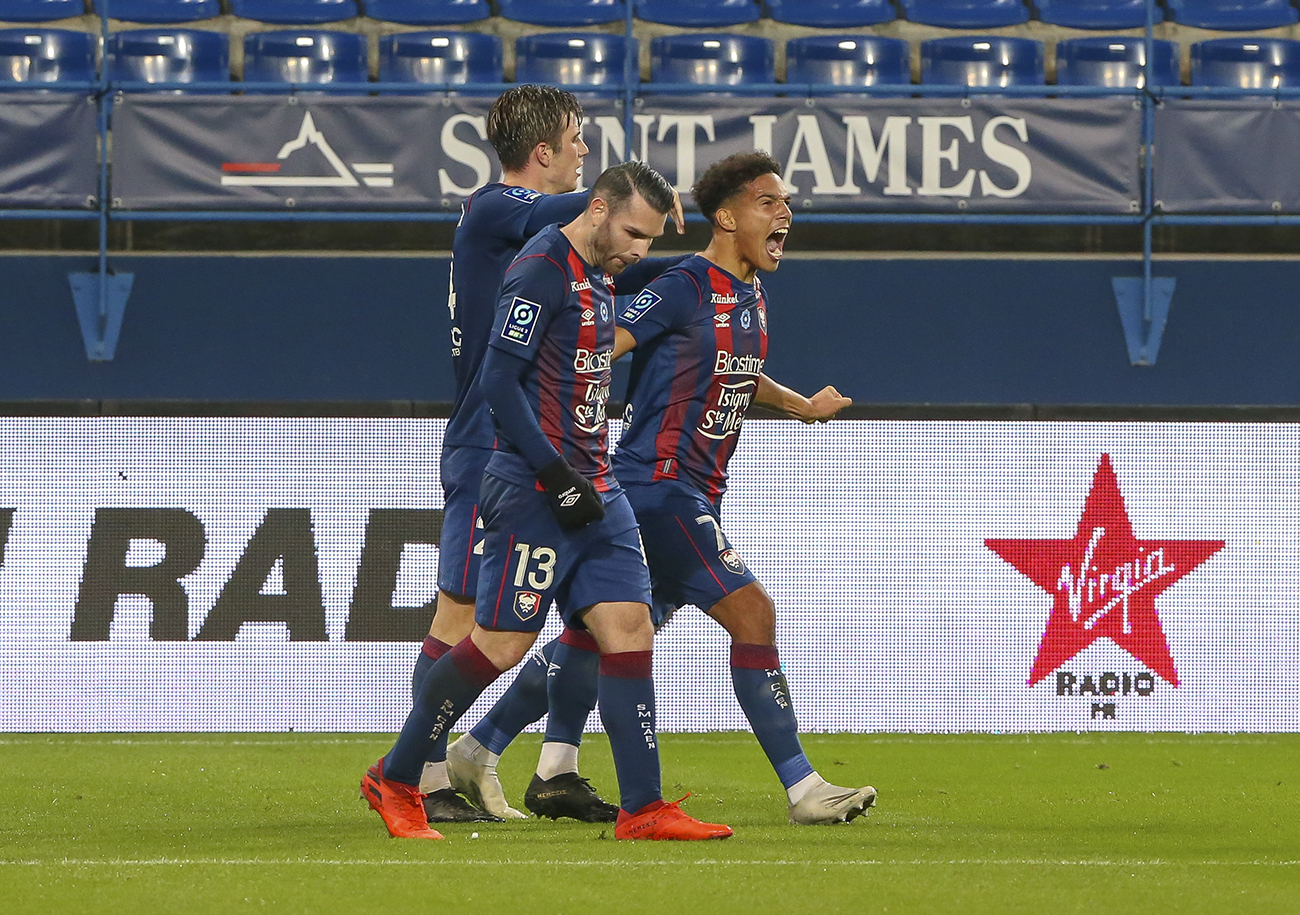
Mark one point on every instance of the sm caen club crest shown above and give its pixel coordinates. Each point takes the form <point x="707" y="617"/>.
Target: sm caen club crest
<point x="527" y="603"/>
<point x="1104" y="582"/>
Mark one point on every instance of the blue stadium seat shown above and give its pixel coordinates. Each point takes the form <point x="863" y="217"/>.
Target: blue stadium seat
<point x="167" y="55"/>
<point x="831" y="14"/>
<point x="707" y="14"/>
<point x="564" y="13"/>
<point x="440" y="57"/>
<point x="848" y="60"/>
<point x="427" y="12"/>
<point x="1246" y="63"/>
<point x="1097" y="14"/>
<point x="591" y="59"/>
<point x="294" y="12"/>
<point x="46" y="55"/>
<point x="711" y="60"/>
<point x="39" y="10"/>
<point x="159" y="12"/>
<point x="305" y="56"/>
<point x="966" y="14"/>
<point x="982" y="61"/>
<point x="1116" y="62"/>
<point x="1233" y="15"/>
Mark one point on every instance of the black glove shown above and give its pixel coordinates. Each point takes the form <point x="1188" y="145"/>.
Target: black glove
<point x="572" y="497"/>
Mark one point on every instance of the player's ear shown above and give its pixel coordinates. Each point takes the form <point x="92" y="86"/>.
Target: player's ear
<point x="542" y="153"/>
<point x="599" y="209"/>
<point x="725" y="219"/>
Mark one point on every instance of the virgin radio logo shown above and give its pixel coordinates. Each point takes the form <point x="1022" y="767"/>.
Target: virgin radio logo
<point x="1104" y="582"/>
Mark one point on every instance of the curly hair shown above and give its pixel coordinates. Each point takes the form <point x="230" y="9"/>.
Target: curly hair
<point x="724" y="180"/>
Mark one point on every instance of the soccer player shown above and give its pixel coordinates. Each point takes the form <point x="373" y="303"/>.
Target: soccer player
<point x="557" y="526"/>
<point x="699" y="334"/>
<point x="536" y="133"/>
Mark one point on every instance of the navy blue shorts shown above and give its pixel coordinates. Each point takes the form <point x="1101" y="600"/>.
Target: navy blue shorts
<point x="691" y="560"/>
<point x="461" y="544"/>
<point x="530" y="561"/>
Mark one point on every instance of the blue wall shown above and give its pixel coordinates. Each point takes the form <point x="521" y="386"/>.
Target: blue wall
<point x="883" y="331"/>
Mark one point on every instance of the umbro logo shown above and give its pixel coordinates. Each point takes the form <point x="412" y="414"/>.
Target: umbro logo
<point x="722" y="320"/>
<point x="569" y="497"/>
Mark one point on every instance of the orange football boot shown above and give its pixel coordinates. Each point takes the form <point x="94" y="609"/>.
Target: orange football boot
<point x="401" y="806"/>
<point x="667" y="821"/>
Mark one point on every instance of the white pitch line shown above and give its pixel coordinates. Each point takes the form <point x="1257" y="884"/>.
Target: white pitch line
<point x="563" y="862"/>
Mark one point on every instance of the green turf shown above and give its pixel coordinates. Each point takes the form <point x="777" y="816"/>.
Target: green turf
<point x="1102" y="824"/>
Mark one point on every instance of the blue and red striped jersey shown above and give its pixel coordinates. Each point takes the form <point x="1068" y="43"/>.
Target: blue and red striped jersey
<point x="495" y="222"/>
<point x="557" y="312"/>
<point x="701" y="338"/>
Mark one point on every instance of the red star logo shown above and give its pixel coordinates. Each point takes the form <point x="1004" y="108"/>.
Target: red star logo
<point x="1104" y="581"/>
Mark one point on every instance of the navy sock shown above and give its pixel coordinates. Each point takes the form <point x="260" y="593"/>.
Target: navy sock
<point x="572" y="683"/>
<point x="451" y="686"/>
<point x="627" y="708"/>
<point x="430" y="651"/>
<point x="522" y="704"/>
<point x="765" y="698"/>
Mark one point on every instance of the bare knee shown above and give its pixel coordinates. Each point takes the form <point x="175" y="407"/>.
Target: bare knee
<point x="748" y="615"/>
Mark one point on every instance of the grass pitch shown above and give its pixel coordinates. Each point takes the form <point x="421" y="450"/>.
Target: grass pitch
<point x="972" y="824"/>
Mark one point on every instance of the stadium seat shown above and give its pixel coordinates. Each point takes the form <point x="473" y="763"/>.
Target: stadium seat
<point x="46" y="56"/>
<point x="159" y="12"/>
<point x="39" y="10"/>
<point x="848" y="60"/>
<point x="1097" y="14"/>
<point x="564" y="13"/>
<point x="982" y="61"/>
<point x="711" y="60"/>
<point x="440" y="57"/>
<point x="305" y="56"/>
<point x="1246" y="63"/>
<point x="966" y="14"/>
<point x="831" y="14"/>
<point x="591" y="59"/>
<point x="427" y="12"/>
<point x="1233" y="15"/>
<point x="707" y="14"/>
<point x="167" y="55"/>
<point x="294" y="12"/>
<point x="1116" y="62"/>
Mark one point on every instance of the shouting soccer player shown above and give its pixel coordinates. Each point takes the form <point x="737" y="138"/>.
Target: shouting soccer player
<point x="700" y="337"/>
<point x="535" y="131"/>
<point x="557" y="526"/>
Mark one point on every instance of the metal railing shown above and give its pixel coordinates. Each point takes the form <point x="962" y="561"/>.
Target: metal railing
<point x="106" y="91"/>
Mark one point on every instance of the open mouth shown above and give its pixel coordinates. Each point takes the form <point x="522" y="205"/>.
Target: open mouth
<point x="776" y="243"/>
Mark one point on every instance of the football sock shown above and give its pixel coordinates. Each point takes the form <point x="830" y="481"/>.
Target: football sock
<point x="797" y="791"/>
<point x="571" y="688"/>
<point x="449" y="689"/>
<point x="556" y="759"/>
<point x="434" y="776"/>
<point x="430" y="652"/>
<point x="520" y="705"/>
<point x="764" y="697"/>
<point x="627" y="709"/>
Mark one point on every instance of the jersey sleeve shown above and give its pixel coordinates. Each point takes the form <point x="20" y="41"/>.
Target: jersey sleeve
<point x="636" y="277"/>
<point x="671" y="301"/>
<point x="534" y="290"/>
<point x="517" y="213"/>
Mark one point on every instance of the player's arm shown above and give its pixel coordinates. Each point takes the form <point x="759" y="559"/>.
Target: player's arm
<point x="517" y="332"/>
<point x="624" y="343"/>
<point x="819" y="408"/>
<point x="549" y="209"/>
<point x="667" y="303"/>
<point x="645" y="271"/>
